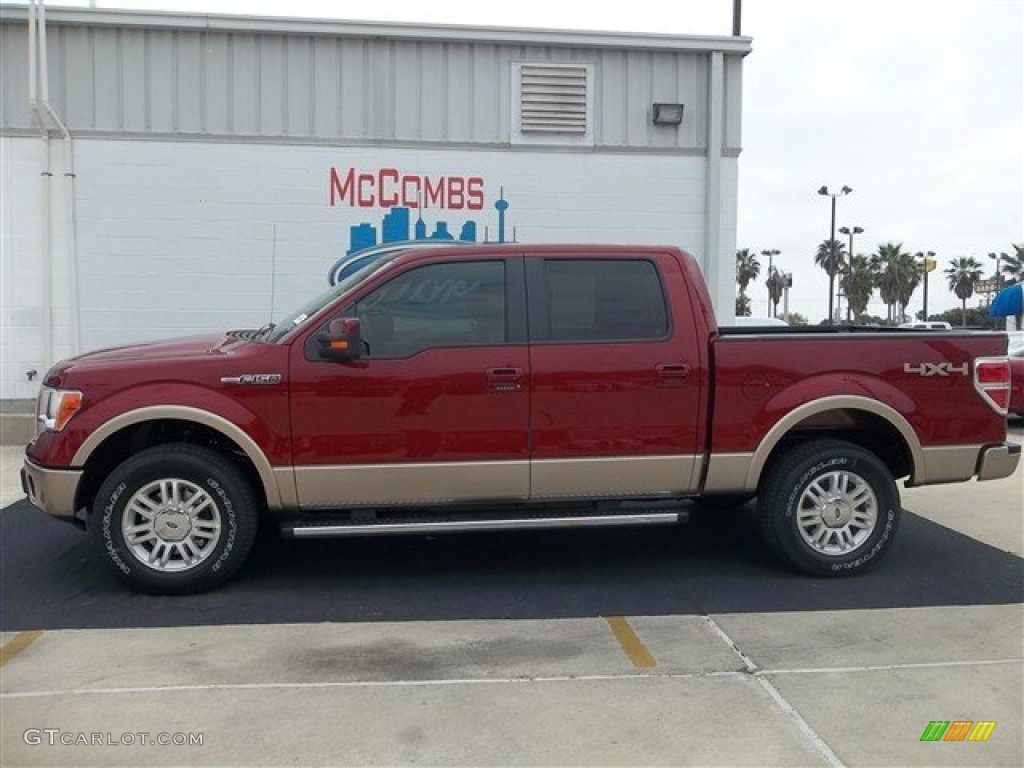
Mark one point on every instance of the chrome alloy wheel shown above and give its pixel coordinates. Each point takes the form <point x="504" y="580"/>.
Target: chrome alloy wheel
<point x="171" y="525"/>
<point x="837" y="513"/>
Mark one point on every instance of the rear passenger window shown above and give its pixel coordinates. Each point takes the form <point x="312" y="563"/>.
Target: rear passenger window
<point x="604" y="300"/>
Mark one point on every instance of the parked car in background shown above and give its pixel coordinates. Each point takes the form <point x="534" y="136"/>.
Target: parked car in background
<point x="1016" y="351"/>
<point x="931" y="325"/>
<point x="756" y="322"/>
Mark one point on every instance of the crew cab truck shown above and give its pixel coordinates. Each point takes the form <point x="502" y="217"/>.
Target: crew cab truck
<point x="509" y="387"/>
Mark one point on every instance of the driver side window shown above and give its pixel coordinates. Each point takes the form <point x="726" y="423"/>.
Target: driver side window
<point x="456" y="304"/>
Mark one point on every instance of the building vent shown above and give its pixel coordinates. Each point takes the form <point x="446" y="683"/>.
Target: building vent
<point x="552" y="103"/>
<point x="553" y="99"/>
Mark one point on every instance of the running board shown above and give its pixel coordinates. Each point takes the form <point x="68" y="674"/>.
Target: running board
<point x="314" y="531"/>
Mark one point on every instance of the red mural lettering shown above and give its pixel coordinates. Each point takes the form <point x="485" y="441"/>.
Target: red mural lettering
<point x="411" y="199"/>
<point x="456" y="198"/>
<point x="388" y="197"/>
<point x="388" y="188"/>
<point x="339" y="190"/>
<point x="476" y="193"/>
<point x="367" y="200"/>
<point x="434" y="195"/>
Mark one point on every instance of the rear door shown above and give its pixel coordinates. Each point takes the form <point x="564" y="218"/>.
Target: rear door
<point x="616" y="384"/>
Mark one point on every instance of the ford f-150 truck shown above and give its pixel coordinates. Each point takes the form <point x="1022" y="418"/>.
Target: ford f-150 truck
<point x="509" y="387"/>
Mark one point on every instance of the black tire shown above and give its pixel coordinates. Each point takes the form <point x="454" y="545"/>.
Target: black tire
<point x="205" y="544"/>
<point x="841" y="532"/>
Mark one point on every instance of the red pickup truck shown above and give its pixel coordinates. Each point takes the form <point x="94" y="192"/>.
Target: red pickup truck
<point x="509" y="387"/>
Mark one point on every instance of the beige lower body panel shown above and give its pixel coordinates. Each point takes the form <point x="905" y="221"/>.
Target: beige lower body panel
<point x="730" y="473"/>
<point x="414" y="484"/>
<point x="948" y="464"/>
<point x="612" y="477"/>
<point x="452" y="482"/>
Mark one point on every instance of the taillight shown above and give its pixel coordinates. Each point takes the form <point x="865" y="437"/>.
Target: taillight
<point x="992" y="380"/>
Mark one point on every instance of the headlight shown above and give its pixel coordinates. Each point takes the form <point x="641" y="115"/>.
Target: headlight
<point x="56" y="407"/>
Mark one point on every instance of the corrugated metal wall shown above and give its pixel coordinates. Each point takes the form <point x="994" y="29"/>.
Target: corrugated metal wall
<point x="332" y="88"/>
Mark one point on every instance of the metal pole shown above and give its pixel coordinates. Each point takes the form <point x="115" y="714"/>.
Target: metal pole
<point x="849" y="270"/>
<point x="832" y="263"/>
<point x="737" y="12"/>
<point x="925" y="318"/>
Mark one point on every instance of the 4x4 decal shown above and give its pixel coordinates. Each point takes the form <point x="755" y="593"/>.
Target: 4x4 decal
<point x="935" y="369"/>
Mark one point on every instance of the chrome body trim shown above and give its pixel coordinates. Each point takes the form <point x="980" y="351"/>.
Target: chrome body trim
<point x="51" y="490"/>
<point x="187" y="413"/>
<point x="997" y="461"/>
<point x="378" y="529"/>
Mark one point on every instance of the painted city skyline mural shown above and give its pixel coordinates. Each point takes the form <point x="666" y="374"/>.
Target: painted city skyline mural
<point x="417" y="208"/>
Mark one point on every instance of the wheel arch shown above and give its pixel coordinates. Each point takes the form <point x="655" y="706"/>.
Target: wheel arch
<point x="871" y="424"/>
<point x="155" y="425"/>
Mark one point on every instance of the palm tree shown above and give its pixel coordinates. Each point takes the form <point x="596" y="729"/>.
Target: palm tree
<point x="747" y="269"/>
<point x="858" y="283"/>
<point x="962" y="274"/>
<point x="776" y="283"/>
<point x="1013" y="266"/>
<point x="908" y="277"/>
<point x="824" y="259"/>
<point x="896" y="276"/>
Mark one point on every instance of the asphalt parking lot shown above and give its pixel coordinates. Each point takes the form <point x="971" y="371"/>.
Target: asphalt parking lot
<point x="639" y="647"/>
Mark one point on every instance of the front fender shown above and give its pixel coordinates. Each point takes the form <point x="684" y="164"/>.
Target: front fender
<point x="159" y="401"/>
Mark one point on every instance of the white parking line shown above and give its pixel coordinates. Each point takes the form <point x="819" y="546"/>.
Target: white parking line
<point x="747" y="674"/>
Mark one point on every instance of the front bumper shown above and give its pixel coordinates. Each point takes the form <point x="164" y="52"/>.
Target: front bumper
<point x="52" y="490"/>
<point x="998" y="461"/>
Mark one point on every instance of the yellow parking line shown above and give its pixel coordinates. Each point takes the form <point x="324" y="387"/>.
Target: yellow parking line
<point x="17" y="644"/>
<point x="632" y="645"/>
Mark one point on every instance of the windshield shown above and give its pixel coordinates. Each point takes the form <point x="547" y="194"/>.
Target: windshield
<point x="311" y="308"/>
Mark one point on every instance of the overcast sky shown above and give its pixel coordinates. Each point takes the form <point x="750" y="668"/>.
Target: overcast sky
<point x="916" y="104"/>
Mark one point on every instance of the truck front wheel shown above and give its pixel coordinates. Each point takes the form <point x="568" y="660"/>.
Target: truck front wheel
<point x="829" y="507"/>
<point x="175" y="519"/>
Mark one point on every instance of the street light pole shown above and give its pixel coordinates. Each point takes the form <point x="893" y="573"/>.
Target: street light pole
<point x="832" y="246"/>
<point x="998" y="259"/>
<point x="771" y="254"/>
<point x="849" y="266"/>
<point x="927" y="265"/>
<point x="999" y="277"/>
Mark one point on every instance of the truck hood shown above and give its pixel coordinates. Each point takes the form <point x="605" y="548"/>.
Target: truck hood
<point x="188" y="346"/>
<point x="206" y="348"/>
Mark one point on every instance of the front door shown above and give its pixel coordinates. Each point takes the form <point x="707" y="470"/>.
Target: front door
<point x="437" y="408"/>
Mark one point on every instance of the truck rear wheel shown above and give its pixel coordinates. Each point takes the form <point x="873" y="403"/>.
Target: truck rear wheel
<point x="175" y="519"/>
<point x="829" y="507"/>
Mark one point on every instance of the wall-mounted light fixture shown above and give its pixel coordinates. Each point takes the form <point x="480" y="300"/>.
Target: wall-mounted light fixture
<point x="668" y="114"/>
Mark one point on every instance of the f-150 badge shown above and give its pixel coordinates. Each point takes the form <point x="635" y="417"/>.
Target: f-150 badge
<point x="252" y="378"/>
<point x="935" y="369"/>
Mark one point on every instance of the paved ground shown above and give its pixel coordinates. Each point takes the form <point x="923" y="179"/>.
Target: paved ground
<point x="646" y="648"/>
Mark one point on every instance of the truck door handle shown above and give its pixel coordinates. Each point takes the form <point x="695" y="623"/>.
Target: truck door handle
<point x="672" y="374"/>
<point x="505" y="379"/>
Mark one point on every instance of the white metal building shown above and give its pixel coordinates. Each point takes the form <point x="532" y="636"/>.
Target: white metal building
<point x="215" y="168"/>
